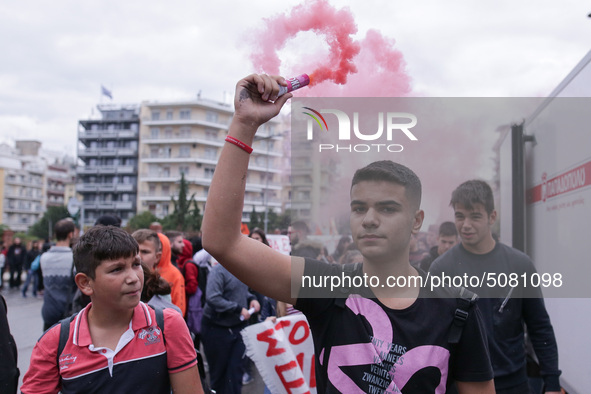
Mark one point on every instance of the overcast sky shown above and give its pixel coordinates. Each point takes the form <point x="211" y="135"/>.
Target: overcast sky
<point x="56" y="55"/>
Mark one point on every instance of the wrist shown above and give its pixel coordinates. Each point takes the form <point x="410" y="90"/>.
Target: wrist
<point x="243" y="130"/>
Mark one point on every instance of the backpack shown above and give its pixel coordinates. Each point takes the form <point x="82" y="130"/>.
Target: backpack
<point x="464" y="297"/>
<point x="196" y="301"/>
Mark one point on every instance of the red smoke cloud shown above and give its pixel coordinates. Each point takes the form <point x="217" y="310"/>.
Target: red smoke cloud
<point x="370" y="67"/>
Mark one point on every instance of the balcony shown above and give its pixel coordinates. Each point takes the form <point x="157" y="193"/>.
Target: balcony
<point x="183" y="140"/>
<point x="95" y="170"/>
<point x="163" y="158"/>
<point x="108" y="134"/>
<point x="107" y="152"/>
<point x="108" y="205"/>
<point x="19" y="196"/>
<point x="27" y="182"/>
<point x="166" y="197"/>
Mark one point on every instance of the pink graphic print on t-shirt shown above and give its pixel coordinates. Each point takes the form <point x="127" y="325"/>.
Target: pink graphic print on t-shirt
<point x="411" y="362"/>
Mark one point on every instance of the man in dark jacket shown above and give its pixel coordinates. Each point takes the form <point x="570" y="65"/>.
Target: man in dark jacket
<point x="9" y="372"/>
<point x="16" y="258"/>
<point x="447" y="238"/>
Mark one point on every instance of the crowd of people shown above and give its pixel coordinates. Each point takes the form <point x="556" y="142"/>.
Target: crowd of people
<point x="133" y="311"/>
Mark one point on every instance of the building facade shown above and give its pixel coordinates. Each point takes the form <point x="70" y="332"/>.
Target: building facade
<point x="108" y="147"/>
<point x="22" y="197"/>
<point x="186" y="138"/>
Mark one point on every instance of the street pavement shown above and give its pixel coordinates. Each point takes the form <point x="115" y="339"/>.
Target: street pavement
<point x="26" y="326"/>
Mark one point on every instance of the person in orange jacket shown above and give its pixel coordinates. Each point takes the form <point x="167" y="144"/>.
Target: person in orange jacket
<point x="172" y="275"/>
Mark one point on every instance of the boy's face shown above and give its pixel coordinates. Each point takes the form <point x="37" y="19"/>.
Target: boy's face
<point x="117" y="284"/>
<point x="149" y="255"/>
<point x="382" y="220"/>
<point x="177" y="245"/>
<point x="445" y="243"/>
<point x="474" y="226"/>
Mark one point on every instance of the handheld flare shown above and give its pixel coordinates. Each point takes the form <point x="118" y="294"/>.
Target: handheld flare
<point x="294" y="83"/>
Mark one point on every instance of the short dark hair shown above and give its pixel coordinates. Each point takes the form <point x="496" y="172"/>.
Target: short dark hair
<point x="102" y="243"/>
<point x="473" y="192"/>
<point x="144" y="235"/>
<point x="108" y="220"/>
<point x="173" y="234"/>
<point x="448" y="229"/>
<point x="62" y="228"/>
<point x="300" y="225"/>
<point x="389" y="171"/>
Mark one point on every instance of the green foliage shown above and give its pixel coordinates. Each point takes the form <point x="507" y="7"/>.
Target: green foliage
<point x="256" y="220"/>
<point x="141" y="220"/>
<point x="44" y="227"/>
<point x="187" y="215"/>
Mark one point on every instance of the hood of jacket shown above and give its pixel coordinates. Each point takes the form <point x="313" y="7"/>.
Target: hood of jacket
<point x="166" y="253"/>
<point x="186" y="254"/>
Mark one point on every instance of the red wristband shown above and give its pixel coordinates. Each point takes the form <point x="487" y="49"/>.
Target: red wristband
<point x="239" y="144"/>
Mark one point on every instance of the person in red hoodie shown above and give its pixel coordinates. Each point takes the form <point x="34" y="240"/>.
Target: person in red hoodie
<point x="172" y="275"/>
<point x="190" y="271"/>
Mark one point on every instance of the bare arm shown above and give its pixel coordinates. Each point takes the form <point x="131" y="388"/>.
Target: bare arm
<point x="186" y="382"/>
<point x="487" y="387"/>
<point x="260" y="267"/>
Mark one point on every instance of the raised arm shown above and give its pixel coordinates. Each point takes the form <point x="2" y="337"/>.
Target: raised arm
<point x="260" y="267"/>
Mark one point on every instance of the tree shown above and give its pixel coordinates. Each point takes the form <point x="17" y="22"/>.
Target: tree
<point x="255" y="220"/>
<point x="141" y="220"/>
<point x="184" y="217"/>
<point x="44" y="226"/>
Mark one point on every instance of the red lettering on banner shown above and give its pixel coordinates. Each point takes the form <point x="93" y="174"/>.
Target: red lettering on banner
<point x="300" y="358"/>
<point x="292" y="338"/>
<point x="266" y="336"/>
<point x="280" y="369"/>
<point x="565" y="182"/>
<point x="282" y="324"/>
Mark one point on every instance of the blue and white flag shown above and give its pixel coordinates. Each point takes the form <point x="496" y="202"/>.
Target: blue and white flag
<point x="106" y="92"/>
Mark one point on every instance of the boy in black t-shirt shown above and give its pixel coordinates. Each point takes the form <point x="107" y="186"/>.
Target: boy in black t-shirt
<point x="505" y="310"/>
<point x="391" y="338"/>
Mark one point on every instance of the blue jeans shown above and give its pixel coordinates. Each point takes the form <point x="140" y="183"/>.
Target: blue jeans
<point x="31" y="276"/>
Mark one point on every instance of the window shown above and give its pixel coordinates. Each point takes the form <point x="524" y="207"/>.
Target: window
<point x="169" y="115"/>
<point x="211" y="153"/>
<point x="165" y="190"/>
<point x="165" y="210"/>
<point x="185" y="114"/>
<point x="209" y="172"/>
<point x="185" y="151"/>
<point x="152" y="189"/>
<point x="184" y="170"/>
<point x="211" y="116"/>
<point x="168" y="133"/>
<point x="155" y="115"/>
<point x="154" y="132"/>
<point x="166" y="172"/>
<point x="211" y="134"/>
<point x="185" y="132"/>
<point x="153" y="152"/>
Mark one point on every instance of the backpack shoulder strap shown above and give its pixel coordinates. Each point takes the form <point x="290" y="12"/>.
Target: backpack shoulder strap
<point x="64" y="335"/>
<point x="160" y="320"/>
<point x="465" y="300"/>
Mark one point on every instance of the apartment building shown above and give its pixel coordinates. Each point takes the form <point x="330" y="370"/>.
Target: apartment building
<point x="22" y="198"/>
<point x="108" y="147"/>
<point x="186" y="137"/>
<point x="59" y="177"/>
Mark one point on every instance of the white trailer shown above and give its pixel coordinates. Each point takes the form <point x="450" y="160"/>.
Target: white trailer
<point x="545" y="192"/>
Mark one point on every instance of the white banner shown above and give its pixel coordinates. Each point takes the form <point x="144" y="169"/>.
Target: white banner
<point x="283" y="353"/>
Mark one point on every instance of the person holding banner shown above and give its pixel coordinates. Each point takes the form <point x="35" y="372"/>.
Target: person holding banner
<point x="391" y="338"/>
